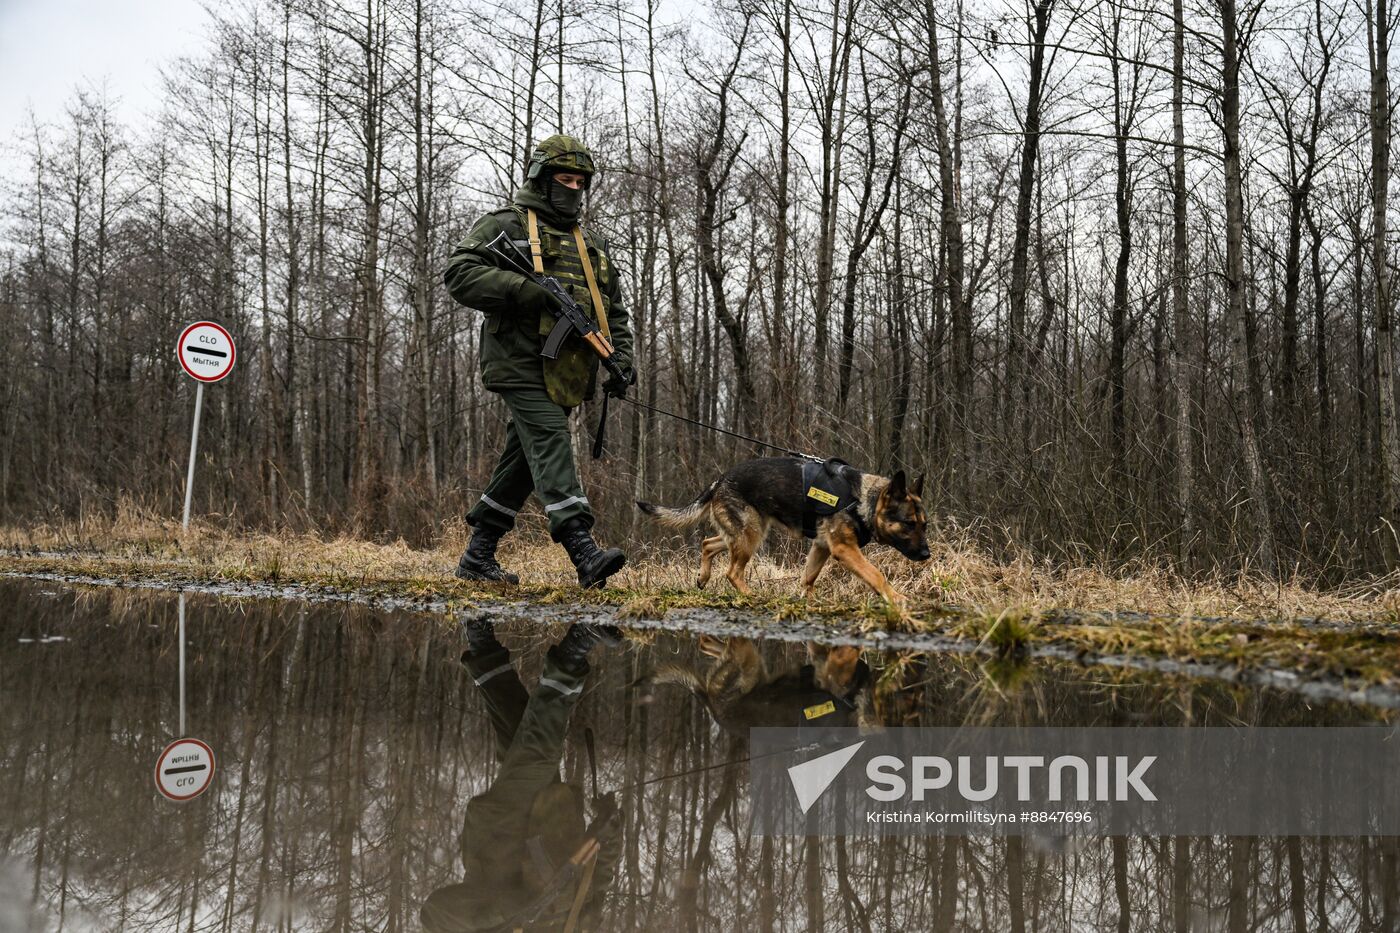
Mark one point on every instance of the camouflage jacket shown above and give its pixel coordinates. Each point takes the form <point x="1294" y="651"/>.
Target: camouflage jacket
<point x="511" y="339"/>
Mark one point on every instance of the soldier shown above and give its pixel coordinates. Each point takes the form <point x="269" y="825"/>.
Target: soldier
<point x="543" y="219"/>
<point x="531" y="862"/>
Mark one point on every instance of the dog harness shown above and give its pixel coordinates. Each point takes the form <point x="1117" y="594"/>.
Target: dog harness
<point x="821" y="708"/>
<point x="828" y="489"/>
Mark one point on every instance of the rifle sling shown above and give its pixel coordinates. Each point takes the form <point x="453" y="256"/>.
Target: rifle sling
<point x="590" y="864"/>
<point x="599" y="309"/>
<point x="535" y="255"/>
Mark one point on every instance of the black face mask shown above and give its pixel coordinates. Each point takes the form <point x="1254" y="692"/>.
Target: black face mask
<point x="563" y="200"/>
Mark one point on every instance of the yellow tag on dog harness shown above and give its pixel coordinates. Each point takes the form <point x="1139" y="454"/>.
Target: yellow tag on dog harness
<point x="821" y="495"/>
<point x="821" y="709"/>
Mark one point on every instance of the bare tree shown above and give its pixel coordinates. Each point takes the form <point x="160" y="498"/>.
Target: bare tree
<point x="1378" y="36"/>
<point x="1258" y="488"/>
<point x="1181" y="320"/>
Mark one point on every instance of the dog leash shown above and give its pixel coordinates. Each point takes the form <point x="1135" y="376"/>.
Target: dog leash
<point x="633" y="785"/>
<point x="598" y="437"/>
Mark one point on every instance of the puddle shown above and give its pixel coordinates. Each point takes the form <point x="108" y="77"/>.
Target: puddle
<point x="1334" y="673"/>
<point x="350" y="742"/>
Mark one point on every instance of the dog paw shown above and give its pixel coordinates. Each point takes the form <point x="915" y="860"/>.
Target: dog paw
<point x="897" y="612"/>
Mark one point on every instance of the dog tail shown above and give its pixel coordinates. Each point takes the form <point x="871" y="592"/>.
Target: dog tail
<point x="685" y="517"/>
<point x="685" y="677"/>
<point x="678" y="674"/>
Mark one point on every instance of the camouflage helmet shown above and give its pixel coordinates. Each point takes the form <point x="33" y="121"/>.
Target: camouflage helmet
<point x="561" y="153"/>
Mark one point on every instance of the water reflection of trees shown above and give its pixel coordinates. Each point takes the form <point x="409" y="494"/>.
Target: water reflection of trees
<point x="350" y="741"/>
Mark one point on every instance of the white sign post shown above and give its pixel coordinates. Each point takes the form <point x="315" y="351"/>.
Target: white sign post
<point x="185" y="769"/>
<point x="182" y="662"/>
<point x="206" y="353"/>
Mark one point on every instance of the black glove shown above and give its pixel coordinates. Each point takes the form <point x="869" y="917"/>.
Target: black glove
<point x="617" y="386"/>
<point x="533" y="297"/>
<point x="606" y="821"/>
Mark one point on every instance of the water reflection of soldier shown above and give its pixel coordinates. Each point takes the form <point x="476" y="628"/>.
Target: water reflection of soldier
<point x="531" y="860"/>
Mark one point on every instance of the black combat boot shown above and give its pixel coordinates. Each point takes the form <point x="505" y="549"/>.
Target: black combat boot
<point x="478" y="561"/>
<point x="481" y="635"/>
<point x="594" y="564"/>
<point x="572" y="651"/>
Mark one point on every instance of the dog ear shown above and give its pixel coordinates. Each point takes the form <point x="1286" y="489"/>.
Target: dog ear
<point x="898" y="485"/>
<point x="919" y="485"/>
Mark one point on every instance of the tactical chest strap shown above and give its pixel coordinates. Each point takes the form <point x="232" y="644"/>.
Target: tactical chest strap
<point x="818" y="703"/>
<point x="537" y="256"/>
<point x="863" y="531"/>
<point x="864" y="534"/>
<point x="825" y="492"/>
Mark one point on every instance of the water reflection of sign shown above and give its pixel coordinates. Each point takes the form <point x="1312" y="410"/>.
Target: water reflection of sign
<point x="185" y="769"/>
<point x="206" y="351"/>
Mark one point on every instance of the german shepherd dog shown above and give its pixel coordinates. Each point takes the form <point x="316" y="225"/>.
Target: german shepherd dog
<point x="755" y="495"/>
<point x="741" y="693"/>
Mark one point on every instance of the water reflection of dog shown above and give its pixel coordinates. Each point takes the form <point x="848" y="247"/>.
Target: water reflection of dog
<point x="741" y="693"/>
<point x="532" y="861"/>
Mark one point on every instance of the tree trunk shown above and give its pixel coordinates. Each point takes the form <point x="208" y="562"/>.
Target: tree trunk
<point x="1025" y="189"/>
<point x="1378" y="44"/>
<point x="1237" y="912"/>
<point x="1297" y="884"/>
<point x="1122" y="200"/>
<point x="1185" y="462"/>
<point x="782" y="207"/>
<point x="419" y="366"/>
<point x="832" y="118"/>
<point x="1016" y="883"/>
<point x="1181" y="875"/>
<point x="1235" y="293"/>
<point x="900" y="337"/>
<point x="867" y="224"/>
<point x="713" y="168"/>
<point x="950" y="222"/>
<point x="1120" y="884"/>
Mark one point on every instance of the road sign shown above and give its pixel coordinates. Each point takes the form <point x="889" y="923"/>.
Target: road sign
<point x="206" y="351"/>
<point x="185" y="769"/>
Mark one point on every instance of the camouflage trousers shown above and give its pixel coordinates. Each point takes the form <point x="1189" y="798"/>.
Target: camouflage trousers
<point x="538" y="458"/>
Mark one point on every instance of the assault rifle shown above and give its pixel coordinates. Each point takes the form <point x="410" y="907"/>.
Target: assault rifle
<point x="572" y="319"/>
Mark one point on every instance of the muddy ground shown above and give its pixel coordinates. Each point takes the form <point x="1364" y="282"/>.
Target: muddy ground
<point x="1348" y="660"/>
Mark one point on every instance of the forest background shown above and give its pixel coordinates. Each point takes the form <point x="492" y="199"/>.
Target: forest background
<point x="1116" y="277"/>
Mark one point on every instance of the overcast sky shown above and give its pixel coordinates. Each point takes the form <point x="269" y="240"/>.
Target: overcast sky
<point x="50" y="47"/>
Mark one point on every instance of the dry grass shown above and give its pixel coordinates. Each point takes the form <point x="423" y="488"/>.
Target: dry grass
<point x="959" y="573"/>
<point x="1001" y="605"/>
